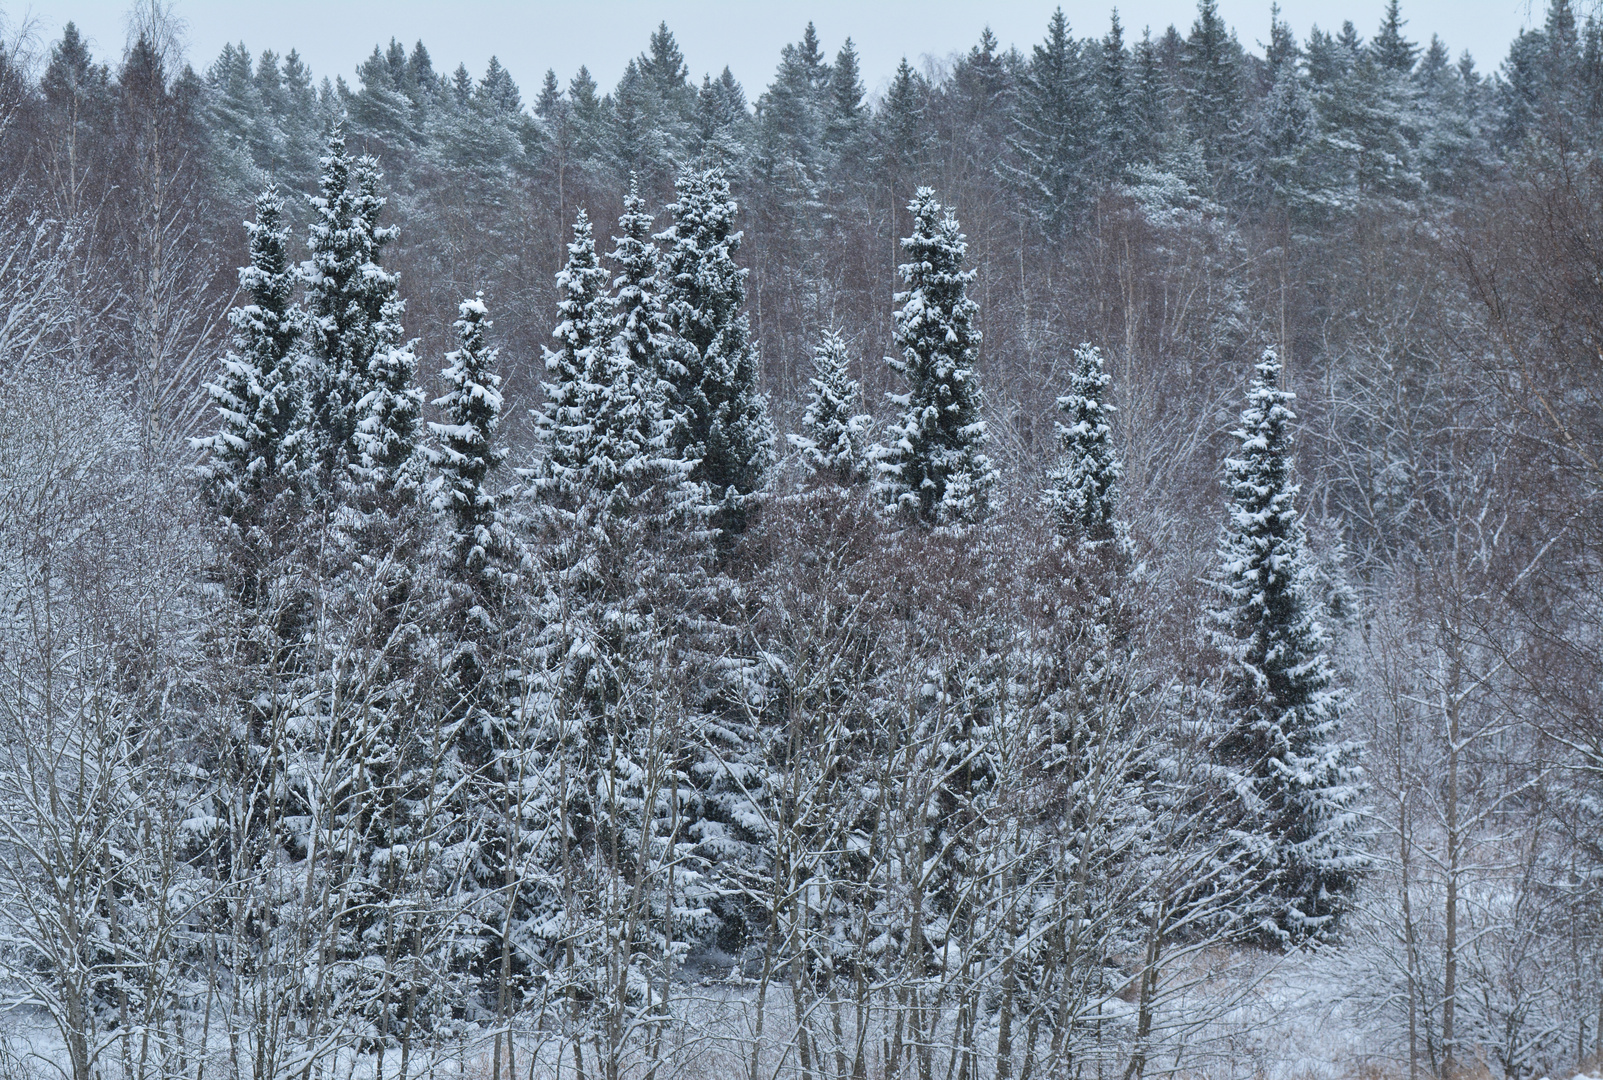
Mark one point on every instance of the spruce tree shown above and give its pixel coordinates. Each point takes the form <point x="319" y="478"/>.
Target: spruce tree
<point x="721" y="122"/>
<point x="900" y="135"/>
<point x="1056" y="125"/>
<point x="585" y="326"/>
<point x="1283" y="142"/>
<point x="1212" y="64"/>
<point x="833" y="443"/>
<point x="258" y="395"/>
<point x="846" y="116"/>
<point x="791" y="120"/>
<point x="936" y="466"/>
<point x="626" y="383"/>
<point x="469" y="454"/>
<point x="352" y="305"/>
<point x="1281" y="737"/>
<point x="1389" y="48"/>
<point x="1115" y="127"/>
<point x="1083" y="490"/>
<point x="721" y="417"/>
<point x="390" y="416"/>
<point x="1282" y="48"/>
<point x="484" y="806"/>
<point x="639" y="309"/>
<point x="1151" y="107"/>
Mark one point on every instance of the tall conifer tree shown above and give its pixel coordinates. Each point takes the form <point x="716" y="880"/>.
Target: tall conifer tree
<point x="936" y="466"/>
<point x="585" y="326"/>
<point x="352" y="305"/>
<point x="258" y="395"/>
<point x="1056" y="123"/>
<point x="721" y="417"/>
<point x="469" y="453"/>
<point x="1281" y="739"/>
<point x="627" y="382"/>
<point x="1211" y="63"/>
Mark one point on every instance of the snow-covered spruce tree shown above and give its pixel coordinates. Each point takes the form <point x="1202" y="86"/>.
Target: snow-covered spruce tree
<point x="720" y="416"/>
<point x="585" y="326"/>
<point x="639" y="307"/>
<point x="935" y="466"/>
<point x="1083" y="488"/>
<point x="258" y="393"/>
<point x="360" y="755"/>
<point x="1281" y="740"/>
<point x="353" y="313"/>
<point x="602" y="488"/>
<point x="479" y="539"/>
<point x="833" y="443"/>
<point x="624" y="395"/>
<point x="486" y="812"/>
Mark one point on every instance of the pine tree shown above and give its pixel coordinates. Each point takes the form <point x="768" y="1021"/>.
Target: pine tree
<point x="1299" y="815"/>
<point x="721" y="417"/>
<point x="258" y="395"/>
<point x="586" y="326"/>
<point x="353" y="309"/>
<point x="936" y="467"/>
<point x="833" y="444"/>
<point x="1083" y="491"/>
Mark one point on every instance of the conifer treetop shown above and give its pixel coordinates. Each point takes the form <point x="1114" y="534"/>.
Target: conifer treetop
<point x="585" y="311"/>
<point x="353" y="306"/>
<point x="468" y="454"/>
<point x="1083" y="490"/>
<point x="720" y="415"/>
<point x="936" y="465"/>
<point x="258" y="393"/>
<point x="833" y="441"/>
<point x="641" y="317"/>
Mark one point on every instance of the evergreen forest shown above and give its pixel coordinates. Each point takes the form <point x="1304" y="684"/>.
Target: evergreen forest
<point x="1085" y="560"/>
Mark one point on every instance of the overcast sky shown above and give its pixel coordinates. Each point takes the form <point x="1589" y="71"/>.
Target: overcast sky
<point x="334" y="35"/>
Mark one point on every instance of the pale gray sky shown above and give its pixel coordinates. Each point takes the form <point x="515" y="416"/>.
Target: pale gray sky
<point x="529" y="37"/>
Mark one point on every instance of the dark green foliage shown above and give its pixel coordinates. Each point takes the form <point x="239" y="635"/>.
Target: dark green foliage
<point x="1281" y="729"/>
<point x="258" y="395"/>
<point x="720" y="416"/>
<point x="935" y="466"/>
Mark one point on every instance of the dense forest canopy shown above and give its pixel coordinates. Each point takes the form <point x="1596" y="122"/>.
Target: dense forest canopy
<point x="1081" y="561"/>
